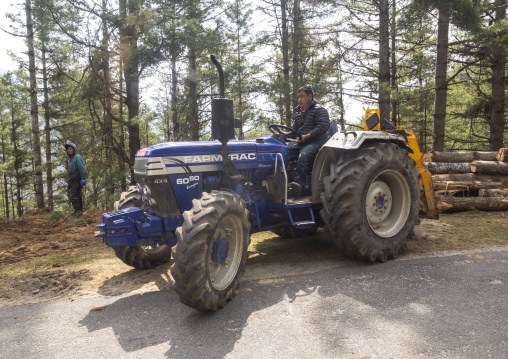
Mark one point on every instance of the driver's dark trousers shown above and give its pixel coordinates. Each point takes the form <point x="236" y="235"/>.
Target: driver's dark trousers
<point x="308" y="153"/>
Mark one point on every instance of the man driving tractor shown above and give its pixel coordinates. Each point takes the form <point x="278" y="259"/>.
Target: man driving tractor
<point x="312" y="122"/>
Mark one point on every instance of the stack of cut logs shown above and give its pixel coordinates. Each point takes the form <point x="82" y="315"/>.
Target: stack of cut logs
<point x="469" y="180"/>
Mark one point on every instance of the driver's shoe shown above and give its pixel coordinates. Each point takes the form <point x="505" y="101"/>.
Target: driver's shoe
<point x="294" y="190"/>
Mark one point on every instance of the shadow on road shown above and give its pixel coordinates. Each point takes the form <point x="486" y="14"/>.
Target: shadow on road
<point x="144" y="320"/>
<point x="406" y="303"/>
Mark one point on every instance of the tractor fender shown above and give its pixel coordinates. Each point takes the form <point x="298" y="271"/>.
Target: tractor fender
<point x="354" y="139"/>
<point x="348" y="141"/>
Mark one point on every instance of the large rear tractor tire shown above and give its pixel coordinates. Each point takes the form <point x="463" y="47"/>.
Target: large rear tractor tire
<point x="140" y="257"/>
<point x="210" y="255"/>
<point x="371" y="201"/>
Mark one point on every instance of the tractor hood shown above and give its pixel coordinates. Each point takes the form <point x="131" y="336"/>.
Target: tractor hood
<point x="194" y="148"/>
<point x="204" y="156"/>
<point x="264" y="144"/>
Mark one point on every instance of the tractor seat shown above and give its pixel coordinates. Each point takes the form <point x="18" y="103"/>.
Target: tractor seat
<point x="333" y="128"/>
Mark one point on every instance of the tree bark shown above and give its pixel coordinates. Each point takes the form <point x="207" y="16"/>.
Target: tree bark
<point x="6" y="190"/>
<point x="107" y="129"/>
<point x="193" y="95"/>
<point x="239" y="82"/>
<point x="489" y="167"/>
<point x="47" y="117"/>
<point x="130" y="59"/>
<point x="441" y="84"/>
<point x="12" y="203"/>
<point x="464" y="204"/>
<point x="497" y="115"/>
<point x="121" y="161"/>
<point x="297" y="38"/>
<point x="393" y="64"/>
<point x="384" y="60"/>
<point x="17" y="161"/>
<point x="502" y="154"/>
<point x="16" y="154"/>
<point x="174" y="99"/>
<point x="285" y="62"/>
<point x="34" y="111"/>
<point x="493" y="193"/>
<point x="459" y="156"/>
<point x="448" y="167"/>
<point x="468" y="181"/>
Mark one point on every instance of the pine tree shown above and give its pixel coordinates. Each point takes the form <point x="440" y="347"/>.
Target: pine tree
<point x="34" y="111"/>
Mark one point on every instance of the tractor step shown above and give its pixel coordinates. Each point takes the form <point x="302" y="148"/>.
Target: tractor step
<point x="294" y="203"/>
<point x="302" y="200"/>
<point x="304" y="224"/>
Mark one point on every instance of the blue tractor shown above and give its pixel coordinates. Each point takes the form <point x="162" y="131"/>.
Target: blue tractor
<point x="198" y="202"/>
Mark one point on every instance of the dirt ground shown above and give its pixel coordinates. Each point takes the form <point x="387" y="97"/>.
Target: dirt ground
<point x="30" y="251"/>
<point x="42" y="260"/>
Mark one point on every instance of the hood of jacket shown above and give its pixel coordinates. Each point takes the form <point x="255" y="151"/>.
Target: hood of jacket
<point x="67" y="145"/>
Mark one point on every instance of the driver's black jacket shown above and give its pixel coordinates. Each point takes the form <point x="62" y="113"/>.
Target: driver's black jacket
<point x="315" y="121"/>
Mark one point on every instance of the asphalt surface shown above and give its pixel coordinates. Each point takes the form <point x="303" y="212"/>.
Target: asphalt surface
<point x="447" y="306"/>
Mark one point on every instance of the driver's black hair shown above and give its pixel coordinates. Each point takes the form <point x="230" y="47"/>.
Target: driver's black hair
<point x="306" y="89"/>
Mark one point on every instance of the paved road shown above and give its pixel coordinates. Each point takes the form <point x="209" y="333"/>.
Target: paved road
<point x="450" y="306"/>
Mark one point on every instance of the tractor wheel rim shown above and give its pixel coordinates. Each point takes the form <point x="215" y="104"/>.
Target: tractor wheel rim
<point x="387" y="203"/>
<point x="221" y="275"/>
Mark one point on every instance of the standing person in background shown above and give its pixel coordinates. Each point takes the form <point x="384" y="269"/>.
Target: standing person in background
<point x="77" y="178"/>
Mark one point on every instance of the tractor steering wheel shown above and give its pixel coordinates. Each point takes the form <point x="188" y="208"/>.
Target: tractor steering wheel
<point x="279" y="130"/>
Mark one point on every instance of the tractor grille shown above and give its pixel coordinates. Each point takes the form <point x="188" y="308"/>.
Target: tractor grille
<point x="161" y="192"/>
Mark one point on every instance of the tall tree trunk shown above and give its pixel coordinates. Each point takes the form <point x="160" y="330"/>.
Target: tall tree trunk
<point x="384" y="59"/>
<point x="193" y="95"/>
<point x="121" y="161"/>
<point x="285" y="62"/>
<point x="47" y="127"/>
<point x="297" y="38"/>
<point x="107" y="129"/>
<point x="12" y="202"/>
<point x="6" y="190"/>
<point x="34" y="111"/>
<point x="174" y="78"/>
<point x="394" y="64"/>
<point x="17" y="161"/>
<point x="239" y="82"/>
<point x="441" y="84"/>
<point x="174" y="98"/>
<point x="129" y="53"/>
<point x="497" y="117"/>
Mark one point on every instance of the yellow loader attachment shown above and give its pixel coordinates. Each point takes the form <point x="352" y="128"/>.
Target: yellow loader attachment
<point x="428" y="197"/>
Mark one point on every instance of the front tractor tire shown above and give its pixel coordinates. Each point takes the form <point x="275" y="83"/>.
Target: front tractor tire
<point x="140" y="257"/>
<point x="371" y="201"/>
<point x="210" y="255"/>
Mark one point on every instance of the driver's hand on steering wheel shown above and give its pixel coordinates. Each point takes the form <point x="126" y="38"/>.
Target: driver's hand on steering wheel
<point x="303" y="139"/>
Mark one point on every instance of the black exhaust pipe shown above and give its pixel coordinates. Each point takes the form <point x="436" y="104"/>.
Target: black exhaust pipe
<point x="221" y="76"/>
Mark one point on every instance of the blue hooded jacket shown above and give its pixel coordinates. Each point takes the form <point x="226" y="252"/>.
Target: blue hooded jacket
<point x="76" y="164"/>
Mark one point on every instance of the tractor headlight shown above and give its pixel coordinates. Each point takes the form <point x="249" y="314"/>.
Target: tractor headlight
<point x="146" y="191"/>
<point x="139" y="188"/>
